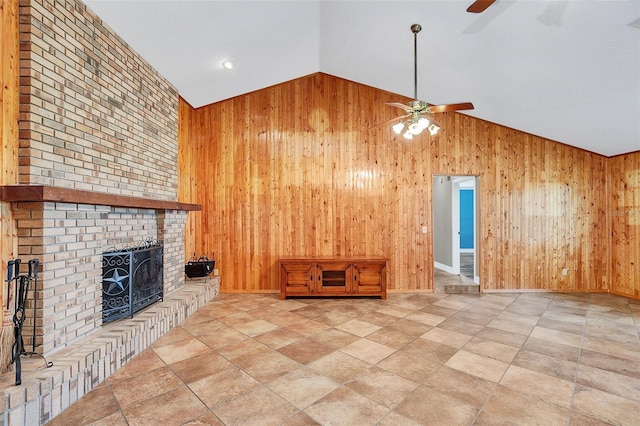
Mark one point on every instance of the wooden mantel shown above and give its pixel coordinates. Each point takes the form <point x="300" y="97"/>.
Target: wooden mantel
<point x="41" y="193"/>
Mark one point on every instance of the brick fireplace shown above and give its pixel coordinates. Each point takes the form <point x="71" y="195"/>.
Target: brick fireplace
<point x="98" y="169"/>
<point x="69" y="240"/>
<point x="98" y="139"/>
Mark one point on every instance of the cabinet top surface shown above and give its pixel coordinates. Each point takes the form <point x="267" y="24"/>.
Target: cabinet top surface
<point x="333" y="258"/>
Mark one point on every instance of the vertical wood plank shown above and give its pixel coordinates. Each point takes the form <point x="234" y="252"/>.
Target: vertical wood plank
<point x="298" y="170"/>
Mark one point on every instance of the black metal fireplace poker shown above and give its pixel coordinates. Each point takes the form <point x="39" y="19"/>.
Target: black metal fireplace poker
<point x="21" y="286"/>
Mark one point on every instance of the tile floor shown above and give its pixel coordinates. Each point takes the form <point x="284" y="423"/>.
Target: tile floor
<point x="420" y="358"/>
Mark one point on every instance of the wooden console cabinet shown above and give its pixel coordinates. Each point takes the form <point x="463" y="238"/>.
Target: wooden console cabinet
<point x="333" y="276"/>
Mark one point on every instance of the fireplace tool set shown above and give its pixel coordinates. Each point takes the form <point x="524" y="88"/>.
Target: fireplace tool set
<point x="21" y="286"/>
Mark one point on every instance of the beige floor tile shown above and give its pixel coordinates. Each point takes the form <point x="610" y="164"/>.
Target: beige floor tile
<point x="394" y="311"/>
<point x="172" y="408"/>
<point x="333" y="318"/>
<point x="478" y="365"/>
<point x="610" y="363"/>
<point x="518" y="317"/>
<point x="358" y="327"/>
<point x="630" y="351"/>
<point x="220" y="388"/>
<point x="265" y="312"/>
<point x="96" y="405"/>
<point x="552" y="349"/>
<point x="555" y="336"/>
<point x="568" y="327"/>
<point x="300" y="419"/>
<point x="410" y="327"/>
<point x="501" y="336"/>
<point x="306" y="350"/>
<point x="115" y="419"/>
<point x="382" y="386"/>
<point x="308" y="327"/>
<point x="207" y="419"/>
<point x="605" y="406"/>
<point x="346" y="407"/>
<point x="462" y="327"/>
<point x="437" y="353"/>
<point x="451" y="303"/>
<point x="199" y="367"/>
<point x="428" y="407"/>
<point x="143" y="363"/>
<point x="224" y="336"/>
<point x="579" y="320"/>
<point x="289" y="304"/>
<point x="395" y="419"/>
<point x="256" y="328"/>
<point x="447" y="337"/>
<point x="368" y="351"/>
<point x="492" y="350"/>
<point x="464" y="387"/>
<point x="473" y="318"/>
<point x="426" y="318"/>
<point x="547" y="388"/>
<point x="580" y="419"/>
<point x="309" y="311"/>
<point x="278" y="338"/>
<point x="286" y="318"/>
<point x="202" y="328"/>
<point x="545" y="364"/>
<point x="181" y="350"/>
<point x="440" y="311"/>
<point x="512" y="326"/>
<point x="303" y="386"/>
<point x="610" y="382"/>
<point x="267" y="366"/>
<point x="339" y="366"/>
<point x="334" y="338"/>
<point x="243" y="349"/>
<point x="260" y="407"/>
<point x="145" y="386"/>
<point x="417" y="369"/>
<point x="523" y="409"/>
<point x="391" y="337"/>
<point x="489" y="419"/>
<point x="173" y="336"/>
<point x="429" y="359"/>
<point x="237" y="318"/>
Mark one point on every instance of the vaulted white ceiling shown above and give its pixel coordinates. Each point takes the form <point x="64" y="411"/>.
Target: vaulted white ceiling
<point x="564" y="70"/>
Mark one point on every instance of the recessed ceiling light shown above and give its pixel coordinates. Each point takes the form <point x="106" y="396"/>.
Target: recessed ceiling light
<point x="228" y="64"/>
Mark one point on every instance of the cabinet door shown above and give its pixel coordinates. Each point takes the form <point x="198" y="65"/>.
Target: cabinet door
<point x="333" y="278"/>
<point x="369" y="278"/>
<point x="297" y="278"/>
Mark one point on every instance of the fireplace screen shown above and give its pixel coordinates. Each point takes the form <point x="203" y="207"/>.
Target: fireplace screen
<point x="131" y="280"/>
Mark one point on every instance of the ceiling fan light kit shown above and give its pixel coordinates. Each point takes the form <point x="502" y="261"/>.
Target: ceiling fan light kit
<point x="415" y="119"/>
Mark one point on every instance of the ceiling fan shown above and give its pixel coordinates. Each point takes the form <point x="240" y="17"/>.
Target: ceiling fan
<point x="479" y="6"/>
<point x="415" y="110"/>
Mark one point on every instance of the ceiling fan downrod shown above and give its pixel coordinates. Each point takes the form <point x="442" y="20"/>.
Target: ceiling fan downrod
<point x="415" y="28"/>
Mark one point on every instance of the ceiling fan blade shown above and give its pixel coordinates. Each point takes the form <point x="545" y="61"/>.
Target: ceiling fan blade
<point x="391" y="121"/>
<point x="479" y="6"/>
<point x="449" y="107"/>
<point x="399" y="105"/>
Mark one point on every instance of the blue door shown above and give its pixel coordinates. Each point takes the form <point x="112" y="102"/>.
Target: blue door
<point x="466" y="219"/>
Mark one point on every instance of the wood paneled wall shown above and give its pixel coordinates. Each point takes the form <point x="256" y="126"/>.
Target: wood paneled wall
<point x="298" y="170"/>
<point x="9" y="106"/>
<point x="623" y="216"/>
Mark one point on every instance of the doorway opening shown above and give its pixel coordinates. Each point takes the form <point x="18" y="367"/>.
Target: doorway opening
<point x="455" y="233"/>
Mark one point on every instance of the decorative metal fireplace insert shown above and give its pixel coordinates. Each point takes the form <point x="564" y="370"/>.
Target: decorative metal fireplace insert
<point x="131" y="279"/>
